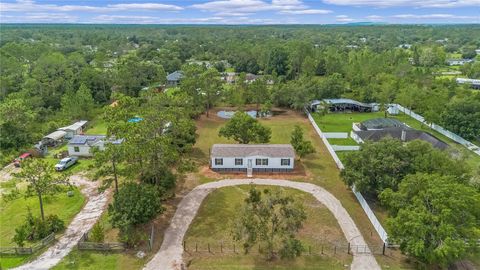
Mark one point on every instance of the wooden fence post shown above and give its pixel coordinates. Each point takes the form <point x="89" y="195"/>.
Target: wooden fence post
<point x="322" y="249"/>
<point x="221" y="247"/>
<point x="383" y="249"/>
<point x="184" y="246"/>
<point x="208" y="247"/>
<point x="348" y="249"/>
<point x="196" y="247"/>
<point x="234" y="251"/>
<point x="334" y="249"/>
<point x="310" y="250"/>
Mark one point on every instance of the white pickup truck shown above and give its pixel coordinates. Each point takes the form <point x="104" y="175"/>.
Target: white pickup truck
<point x="65" y="163"/>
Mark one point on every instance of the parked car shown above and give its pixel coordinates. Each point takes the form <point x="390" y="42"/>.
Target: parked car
<point x="65" y="163"/>
<point x="21" y="158"/>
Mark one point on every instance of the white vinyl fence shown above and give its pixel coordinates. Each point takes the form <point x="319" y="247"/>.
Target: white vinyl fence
<point x="371" y="216"/>
<point x="335" y="135"/>
<point x="474" y="148"/>
<point x="346" y="147"/>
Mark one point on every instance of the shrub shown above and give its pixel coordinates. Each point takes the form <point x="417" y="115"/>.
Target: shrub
<point x="97" y="233"/>
<point x="134" y="204"/>
<point x="35" y="229"/>
<point x="131" y="237"/>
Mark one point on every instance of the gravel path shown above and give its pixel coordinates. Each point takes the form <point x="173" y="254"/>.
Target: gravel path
<point x="169" y="257"/>
<point x="82" y="222"/>
<point x="6" y="174"/>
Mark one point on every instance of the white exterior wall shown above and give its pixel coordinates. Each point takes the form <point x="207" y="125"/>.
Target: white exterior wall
<point x="84" y="151"/>
<point x="229" y="163"/>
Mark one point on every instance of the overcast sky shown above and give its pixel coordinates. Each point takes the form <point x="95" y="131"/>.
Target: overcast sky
<point x="240" y="11"/>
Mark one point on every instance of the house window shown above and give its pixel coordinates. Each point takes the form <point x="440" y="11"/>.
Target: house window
<point x="238" y="161"/>
<point x="285" y="162"/>
<point x="219" y="161"/>
<point x="261" y="161"/>
<point x="76" y="149"/>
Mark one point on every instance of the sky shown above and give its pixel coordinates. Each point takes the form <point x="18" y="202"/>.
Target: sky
<point x="240" y="11"/>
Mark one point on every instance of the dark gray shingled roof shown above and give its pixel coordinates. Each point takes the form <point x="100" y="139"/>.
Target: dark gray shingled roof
<point x="396" y="133"/>
<point x="381" y="123"/>
<point x="246" y="150"/>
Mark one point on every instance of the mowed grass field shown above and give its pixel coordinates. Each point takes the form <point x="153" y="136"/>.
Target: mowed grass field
<point x="320" y="169"/>
<point x="215" y="220"/>
<point x="13" y="213"/>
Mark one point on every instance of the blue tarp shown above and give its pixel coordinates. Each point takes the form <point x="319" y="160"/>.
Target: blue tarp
<point x="135" y="120"/>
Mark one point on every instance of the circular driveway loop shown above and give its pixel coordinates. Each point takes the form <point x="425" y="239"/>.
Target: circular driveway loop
<point x="169" y="257"/>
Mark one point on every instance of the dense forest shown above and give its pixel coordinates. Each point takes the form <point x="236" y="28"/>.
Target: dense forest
<point x="53" y="74"/>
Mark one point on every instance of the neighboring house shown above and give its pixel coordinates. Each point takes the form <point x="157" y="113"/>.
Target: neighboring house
<point x="477" y="51"/>
<point x="405" y="46"/>
<point x="458" y="62"/>
<point x="379" y="128"/>
<point x="252" y="157"/>
<point x="249" y="77"/>
<point x="82" y="145"/>
<point x="343" y="105"/>
<point x="74" y="129"/>
<point x="55" y="138"/>
<point x="174" y="78"/>
<point x="475" y="83"/>
<point x="229" y="77"/>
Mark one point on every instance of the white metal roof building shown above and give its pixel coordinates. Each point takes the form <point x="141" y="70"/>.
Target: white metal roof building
<point x="74" y="129"/>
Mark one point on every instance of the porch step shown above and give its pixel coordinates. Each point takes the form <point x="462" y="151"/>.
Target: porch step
<point x="249" y="172"/>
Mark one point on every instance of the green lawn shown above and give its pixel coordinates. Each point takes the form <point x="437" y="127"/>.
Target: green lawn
<point x="320" y="167"/>
<point x="62" y="205"/>
<point x="216" y="217"/>
<point x="12" y="215"/>
<point x="91" y="260"/>
<point x="97" y="127"/>
<point x="345" y="141"/>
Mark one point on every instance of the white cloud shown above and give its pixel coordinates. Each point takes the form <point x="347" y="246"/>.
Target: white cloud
<point x="344" y="18"/>
<point x="294" y="7"/>
<point x="32" y="6"/>
<point x="406" y="3"/>
<point x="127" y="19"/>
<point x="374" y="18"/>
<point x="40" y="17"/>
<point x="306" y="11"/>
<point x="432" y="16"/>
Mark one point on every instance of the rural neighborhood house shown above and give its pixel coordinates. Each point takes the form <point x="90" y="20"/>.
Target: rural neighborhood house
<point x="257" y="157"/>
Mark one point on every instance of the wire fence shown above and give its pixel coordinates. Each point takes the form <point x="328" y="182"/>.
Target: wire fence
<point x="229" y="247"/>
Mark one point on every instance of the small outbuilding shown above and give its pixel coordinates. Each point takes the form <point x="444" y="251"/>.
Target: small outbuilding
<point x="74" y="129"/>
<point x="252" y="158"/>
<point x="55" y="138"/>
<point x="174" y="78"/>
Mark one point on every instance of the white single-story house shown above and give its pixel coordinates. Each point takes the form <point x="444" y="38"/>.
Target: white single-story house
<point x="252" y="157"/>
<point x="74" y="129"/>
<point x="55" y="138"/>
<point x="458" y="62"/>
<point x="475" y="83"/>
<point x="82" y="145"/>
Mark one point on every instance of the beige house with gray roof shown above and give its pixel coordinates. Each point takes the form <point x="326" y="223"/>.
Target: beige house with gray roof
<point x="252" y="158"/>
